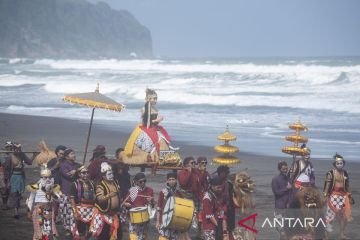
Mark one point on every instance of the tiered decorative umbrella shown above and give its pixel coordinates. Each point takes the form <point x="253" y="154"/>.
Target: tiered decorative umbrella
<point x="296" y="150"/>
<point x="226" y="149"/>
<point x="93" y="100"/>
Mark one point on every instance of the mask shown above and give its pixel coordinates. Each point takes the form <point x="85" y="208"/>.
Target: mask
<point x="47" y="183"/>
<point x="339" y="165"/>
<point x="109" y="175"/>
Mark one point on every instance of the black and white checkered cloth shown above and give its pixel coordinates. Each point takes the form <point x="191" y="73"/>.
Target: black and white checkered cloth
<point x="335" y="206"/>
<point x="67" y="213"/>
<point x="98" y="222"/>
<point x="86" y="213"/>
<point x="338" y="201"/>
<point x="133" y="193"/>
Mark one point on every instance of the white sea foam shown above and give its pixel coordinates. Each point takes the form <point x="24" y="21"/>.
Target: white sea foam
<point x="253" y="98"/>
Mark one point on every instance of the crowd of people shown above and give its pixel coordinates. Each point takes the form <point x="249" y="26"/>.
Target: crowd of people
<point x="295" y="188"/>
<point x="98" y="200"/>
<point x="95" y="200"/>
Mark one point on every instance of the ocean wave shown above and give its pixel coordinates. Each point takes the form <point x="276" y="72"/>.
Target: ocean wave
<point x="300" y="86"/>
<point x="209" y="67"/>
<point x="19" y="108"/>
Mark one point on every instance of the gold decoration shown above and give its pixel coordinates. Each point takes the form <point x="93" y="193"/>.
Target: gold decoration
<point x="226" y="160"/>
<point x="226" y="136"/>
<point x="226" y="149"/>
<point x="296" y="150"/>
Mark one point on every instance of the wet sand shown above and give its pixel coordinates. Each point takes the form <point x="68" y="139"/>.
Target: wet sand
<point x="29" y="130"/>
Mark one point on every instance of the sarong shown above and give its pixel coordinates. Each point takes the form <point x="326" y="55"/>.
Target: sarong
<point x="100" y="219"/>
<point x="85" y="215"/>
<point x="67" y="213"/>
<point x="338" y="204"/>
<point x="43" y="222"/>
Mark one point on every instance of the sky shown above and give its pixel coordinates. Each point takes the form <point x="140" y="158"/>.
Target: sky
<point x="251" y="28"/>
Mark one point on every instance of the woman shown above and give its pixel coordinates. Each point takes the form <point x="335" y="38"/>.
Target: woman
<point x="148" y="138"/>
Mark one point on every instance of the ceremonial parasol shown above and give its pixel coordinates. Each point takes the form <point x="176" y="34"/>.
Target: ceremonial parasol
<point x="226" y="149"/>
<point x="296" y="150"/>
<point x="93" y="100"/>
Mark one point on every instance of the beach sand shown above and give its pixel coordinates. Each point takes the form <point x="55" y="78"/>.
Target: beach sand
<point x="29" y="130"/>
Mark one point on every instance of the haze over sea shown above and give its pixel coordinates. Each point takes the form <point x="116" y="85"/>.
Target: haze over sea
<point x="257" y="98"/>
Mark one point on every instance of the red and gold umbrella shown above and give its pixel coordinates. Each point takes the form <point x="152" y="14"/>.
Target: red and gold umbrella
<point x="93" y="100"/>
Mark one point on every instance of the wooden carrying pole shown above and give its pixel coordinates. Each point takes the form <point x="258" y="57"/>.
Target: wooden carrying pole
<point x="88" y="136"/>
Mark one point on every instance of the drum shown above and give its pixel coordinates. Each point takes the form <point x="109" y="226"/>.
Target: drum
<point x="178" y="213"/>
<point x="139" y="215"/>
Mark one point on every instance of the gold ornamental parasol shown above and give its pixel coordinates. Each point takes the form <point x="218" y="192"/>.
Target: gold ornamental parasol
<point x="94" y="100"/>
<point x="296" y="150"/>
<point x="226" y="149"/>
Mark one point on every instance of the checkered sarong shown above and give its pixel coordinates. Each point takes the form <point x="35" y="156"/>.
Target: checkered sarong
<point x="100" y="219"/>
<point x="67" y="213"/>
<point x="335" y="206"/>
<point x="85" y="215"/>
<point x="43" y="222"/>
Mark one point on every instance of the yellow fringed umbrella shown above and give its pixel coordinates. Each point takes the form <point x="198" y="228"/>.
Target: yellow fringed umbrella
<point x="93" y="100"/>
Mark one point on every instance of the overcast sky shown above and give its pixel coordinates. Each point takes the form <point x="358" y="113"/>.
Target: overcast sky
<point x="252" y="28"/>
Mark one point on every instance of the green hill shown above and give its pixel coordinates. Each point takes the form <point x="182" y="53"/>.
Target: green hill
<point x="69" y="29"/>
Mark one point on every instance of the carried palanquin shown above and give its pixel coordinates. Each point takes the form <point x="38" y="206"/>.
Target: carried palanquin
<point x="226" y="149"/>
<point x="150" y="143"/>
<point x="296" y="150"/>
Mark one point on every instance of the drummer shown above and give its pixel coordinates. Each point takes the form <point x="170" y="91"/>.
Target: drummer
<point x="170" y="190"/>
<point x="139" y="196"/>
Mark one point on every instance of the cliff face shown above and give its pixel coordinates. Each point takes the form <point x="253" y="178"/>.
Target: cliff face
<point x="69" y="29"/>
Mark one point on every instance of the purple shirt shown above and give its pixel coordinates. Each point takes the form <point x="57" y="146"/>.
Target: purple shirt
<point x="280" y="191"/>
<point x="66" y="180"/>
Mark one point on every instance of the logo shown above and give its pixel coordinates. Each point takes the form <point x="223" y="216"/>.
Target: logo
<point x="252" y="217"/>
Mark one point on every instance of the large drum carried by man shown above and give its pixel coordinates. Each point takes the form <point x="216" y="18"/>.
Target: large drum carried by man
<point x="178" y="213"/>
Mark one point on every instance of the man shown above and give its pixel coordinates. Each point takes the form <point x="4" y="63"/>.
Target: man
<point x="14" y="162"/>
<point x="302" y="172"/>
<point x="139" y="196"/>
<point x="204" y="183"/>
<point x="105" y="223"/>
<point x="68" y="175"/>
<point x="41" y="205"/>
<point x="281" y="187"/>
<point x="122" y="176"/>
<point x="214" y="204"/>
<point x="82" y="200"/>
<point x="189" y="185"/>
<point x="189" y="180"/>
<point x="169" y="191"/>
<point x="54" y="164"/>
<point x="223" y="172"/>
<point x="338" y="195"/>
<point x="203" y="176"/>
<point x="95" y="163"/>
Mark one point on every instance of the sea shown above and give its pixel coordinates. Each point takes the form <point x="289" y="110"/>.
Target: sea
<point x="256" y="99"/>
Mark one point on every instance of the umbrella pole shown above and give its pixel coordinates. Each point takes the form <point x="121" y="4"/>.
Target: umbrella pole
<point x="88" y="136"/>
